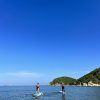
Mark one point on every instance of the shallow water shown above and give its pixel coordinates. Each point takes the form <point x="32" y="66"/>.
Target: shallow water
<point x="50" y="93"/>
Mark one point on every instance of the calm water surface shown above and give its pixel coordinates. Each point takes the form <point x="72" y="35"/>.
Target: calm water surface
<point x="50" y="93"/>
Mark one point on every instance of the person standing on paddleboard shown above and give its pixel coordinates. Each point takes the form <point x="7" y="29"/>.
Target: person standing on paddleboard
<point x="38" y="87"/>
<point x="62" y="87"/>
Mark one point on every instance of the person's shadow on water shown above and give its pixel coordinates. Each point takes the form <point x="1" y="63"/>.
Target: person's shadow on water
<point x="63" y="97"/>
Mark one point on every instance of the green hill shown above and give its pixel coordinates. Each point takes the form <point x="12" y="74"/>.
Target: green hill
<point x="65" y="80"/>
<point x="93" y="76"/>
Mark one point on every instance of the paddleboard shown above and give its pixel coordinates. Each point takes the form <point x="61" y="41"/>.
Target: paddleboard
<point x="37" y="94"/>
<point x="63" y="92"/>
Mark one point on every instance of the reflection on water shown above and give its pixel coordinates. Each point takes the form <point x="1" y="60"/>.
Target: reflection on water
<point x="52" y="94"/>
<point x="37" y="98"/>
<point x="63" y="97"/>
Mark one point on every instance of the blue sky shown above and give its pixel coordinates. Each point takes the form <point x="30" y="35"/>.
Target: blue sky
<point x="44" y="39"/>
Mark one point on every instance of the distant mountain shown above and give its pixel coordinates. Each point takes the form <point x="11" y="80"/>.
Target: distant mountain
<point x="65" y="80"/>
<point x="90" y="79"/>
<point x="93" y="76"/>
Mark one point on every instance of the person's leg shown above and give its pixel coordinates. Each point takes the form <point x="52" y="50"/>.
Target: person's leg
<point x="63" y="88"/>
<point x="38" y="90"/>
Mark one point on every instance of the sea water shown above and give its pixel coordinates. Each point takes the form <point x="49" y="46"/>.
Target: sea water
<point x="50" y="93"/>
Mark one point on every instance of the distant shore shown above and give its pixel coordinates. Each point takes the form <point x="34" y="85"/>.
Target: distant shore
<point x="81" y="84"/>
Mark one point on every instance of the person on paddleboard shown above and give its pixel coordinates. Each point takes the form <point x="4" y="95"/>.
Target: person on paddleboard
<point x="62" y="87"/>
<point x="38" y="87"/>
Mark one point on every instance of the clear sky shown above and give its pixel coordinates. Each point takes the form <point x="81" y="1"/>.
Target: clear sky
<point x="44" y="39"/>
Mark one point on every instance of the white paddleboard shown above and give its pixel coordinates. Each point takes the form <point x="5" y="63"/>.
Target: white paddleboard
<point x="63" y="92"/>
<point x="37" y="94"/>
